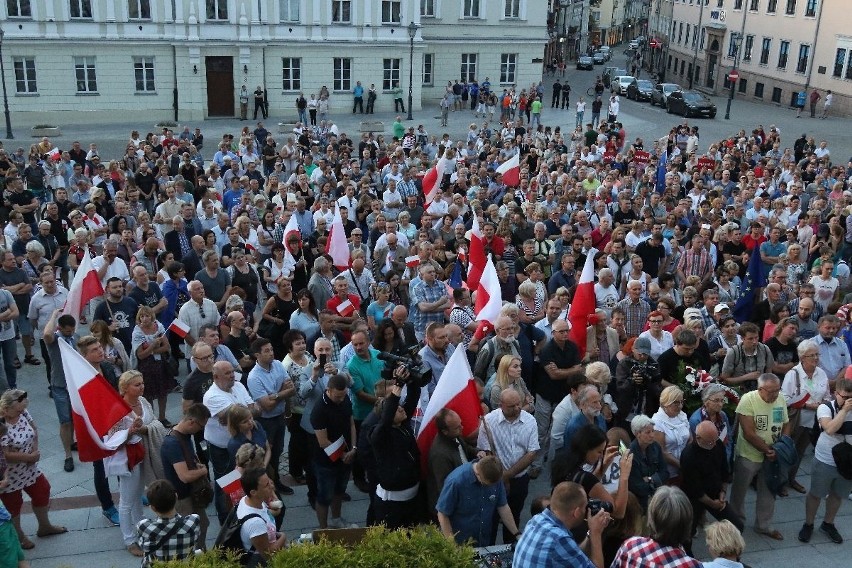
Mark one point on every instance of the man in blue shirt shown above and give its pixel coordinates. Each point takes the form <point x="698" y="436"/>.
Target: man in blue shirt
<point x="471" y="494"/>
<point x="771" y="250"/>
<point x="358" y="94"/>
<point x="589" y="403"/>
<point x="548" y="541"/>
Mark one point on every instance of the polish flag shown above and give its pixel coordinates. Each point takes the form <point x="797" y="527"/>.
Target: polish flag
<point x="229" y="482"/>
<point x="85" y="287"/>
<point x="477" y="256"/>
<point x="335" y="450"/>
<point x="412" y="261"/>
<point x="511" y="170"/>
<point x="457" y="391"/>
<point x="337" y="247"/>
<point x="179" y="328"/>
<point x="291" y="228"/>
<point x="54" y="154"/>
<point x="488" y="296"/>
<point x="95" y="406"/>
<point x="345" y="309"/>
<point x="583" y="305"/>
<point x="799" y="400"/>
<point x="432" y="181"/>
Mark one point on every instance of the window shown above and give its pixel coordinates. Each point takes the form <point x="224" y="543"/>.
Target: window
<point x="758" y="90"/>
<point x="703" y="37"/>
<point x="143" y="71"/>
<point x="391" y="11"/>
<point x="427" y="8"/>
<point x="290" y="10"/>
<point x="732" y="46"/>
<point x="291" y="73"/>
<point x="19" y="9"/>
<point x="682" y="65"/>
<point x="804" y="54"/>
<point x="84" y="72"/>
<point x="776" y="95"/>
<point x="342" y="74"/>
<point x="341" y="12"/>
<point x="738" y="4"/>
<point x="743" y="86"/>
<point x="468" y="67"/>
<point x="810" y="8"/>
<point x="81" y="8"/>
<point x="217" y="9"/>
<point x="764" y="51"/>
<point x="688" y="26"/>
<point x="771" y="7"/>
<point x="470" y="8"/>
<point x="680" y="33"/>
<point x="512" y="9"/>
<point x="390" y="75"/>
<point x="755" y="4"/>
<point x="508" y="65"/>
<point x="25" y="76"/>
<point x="689" y="71"/>
<point x="720" y="3"/>
<point x="839" y="62"/>
<point x="428" y="68"/>
<point x="791" y="7"/>
<point x="139" y="9"/>
<point x="749" y="46"/>
<point x="783" y="52"/>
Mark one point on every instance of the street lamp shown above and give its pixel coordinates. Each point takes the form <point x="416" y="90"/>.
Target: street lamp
<point x="5" y="96"/>
<point x="412" y="31"/>
<point x="736" y="37"/>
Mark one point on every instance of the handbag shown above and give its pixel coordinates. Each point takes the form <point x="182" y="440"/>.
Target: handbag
<point x="200" y="490"/>
<point x="172" y="364"/>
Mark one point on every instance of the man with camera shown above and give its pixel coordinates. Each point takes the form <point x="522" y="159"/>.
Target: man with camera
<point x="548" y="540"/>
<point x="637" y="382"/>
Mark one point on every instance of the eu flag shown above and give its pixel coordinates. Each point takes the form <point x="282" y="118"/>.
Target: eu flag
<point x="753" y="282"/>
<point x="455" y="280"/>
<point x="661" y="172"/>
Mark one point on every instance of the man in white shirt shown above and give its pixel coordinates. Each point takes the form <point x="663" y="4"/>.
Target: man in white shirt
<point x="109" y="265"/>
<point x="258" y="535"/>
<point x="606" y="294"/>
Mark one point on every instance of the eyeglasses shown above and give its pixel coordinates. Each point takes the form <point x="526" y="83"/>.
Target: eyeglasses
<point x="655" y="321"/>
<point x="811" y="356"/>
<point x="22" y="398"/>
<point x="207" y="358"/>
<point x="769" y="392"/>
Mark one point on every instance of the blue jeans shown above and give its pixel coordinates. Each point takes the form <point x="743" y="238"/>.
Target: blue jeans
<point x="579" y="118"/>
<point x="8" y="373"/>
<point x="303" y="116"/>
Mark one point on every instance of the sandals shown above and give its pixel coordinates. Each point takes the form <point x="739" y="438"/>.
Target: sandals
<point x="51" y="531"/>
<point x="773" y="534"/>
<point x="17" y="363"/>
<point x="31" y="360"/>
<point x="796" y="486"/>
<point x="27" y="544"/>
<point x="135" y="550"/>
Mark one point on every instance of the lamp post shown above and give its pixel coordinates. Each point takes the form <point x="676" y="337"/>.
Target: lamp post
<point x="412" y="31"/>
<point x="737" y="38"/>
<point x="5" y="96"/>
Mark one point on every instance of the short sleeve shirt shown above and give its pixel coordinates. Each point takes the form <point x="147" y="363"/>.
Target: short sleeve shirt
<point x="149" y="298"/>
<point x="769" y="419"/>
<point x="21" y="437"/>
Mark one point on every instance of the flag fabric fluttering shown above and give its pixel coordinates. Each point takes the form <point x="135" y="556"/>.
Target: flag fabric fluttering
<point x="336" y="449"/>
<point x="511" y="170"/>
<point x="179" y="328"/>
<point x="432" y="180"/>
<point x="661" y="172"/>
<point x="583" y="305"/>
<point x="337" y="247"/>
<point x="95" y="406"/>
<point x="752" y="284"/>
<point x="476" y="257"/>
<point x="84" y="288"/>
<point x="457" y="391"/>
<point x="489" y="298"/>
<point x="455" y="281"/>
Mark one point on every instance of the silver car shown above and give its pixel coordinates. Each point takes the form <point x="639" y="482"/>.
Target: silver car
<point x="661" y="92"/>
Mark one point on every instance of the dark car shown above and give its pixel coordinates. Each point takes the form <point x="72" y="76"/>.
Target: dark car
<point x="640" y="90"/>
<point x="690" y="103"/>
<point x="585" y="62"/>
<point x="661" y="92"/>
<point x="599" y="57"/>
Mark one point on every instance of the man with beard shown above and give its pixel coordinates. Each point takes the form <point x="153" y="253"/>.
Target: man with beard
<point x="118" y="312"/>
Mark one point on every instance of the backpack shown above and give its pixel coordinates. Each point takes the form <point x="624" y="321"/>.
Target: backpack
<point x="816" y="429"/>
<point x="229" y="535"/>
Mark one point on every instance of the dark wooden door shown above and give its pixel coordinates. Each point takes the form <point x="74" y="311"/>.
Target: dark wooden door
<point x="220" y="86"/>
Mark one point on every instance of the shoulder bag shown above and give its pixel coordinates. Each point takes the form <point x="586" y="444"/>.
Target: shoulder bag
<point x="200" y="490"/>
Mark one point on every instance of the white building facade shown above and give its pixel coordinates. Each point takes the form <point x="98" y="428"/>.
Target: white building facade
<point x="187" y="59"/>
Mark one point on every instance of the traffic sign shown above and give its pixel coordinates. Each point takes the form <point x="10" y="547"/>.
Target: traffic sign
<point x="733" y="76"/>
<point x="653" y="44"/>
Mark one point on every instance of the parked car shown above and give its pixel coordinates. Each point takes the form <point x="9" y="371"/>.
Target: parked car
<point x="585" y="62"/>
<point x="661" y="92"/>
<point x="599" y="57"/>
<point x="610" y="72"/>
<point x="634" y="44"/>
<point x="690" y="103"/>
<point x="606" y="51"/>
<point x="640" y="90"/>
<point x="619" y="84"/>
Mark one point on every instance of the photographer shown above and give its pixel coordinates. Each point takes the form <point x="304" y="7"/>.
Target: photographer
<point x="637" y="382"/>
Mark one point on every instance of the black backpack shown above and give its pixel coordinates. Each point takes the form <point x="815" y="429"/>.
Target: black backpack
<point x="816" y="429"/>
<point x="229" y="535"/>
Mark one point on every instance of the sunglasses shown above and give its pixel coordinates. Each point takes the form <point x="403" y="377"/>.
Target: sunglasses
<point x="22" y="398"/>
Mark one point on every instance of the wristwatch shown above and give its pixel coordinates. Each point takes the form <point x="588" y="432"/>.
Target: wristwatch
<point x="274" y="396"/>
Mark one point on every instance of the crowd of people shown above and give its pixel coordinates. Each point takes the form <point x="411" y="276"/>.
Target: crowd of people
<point x="694" y="379"/>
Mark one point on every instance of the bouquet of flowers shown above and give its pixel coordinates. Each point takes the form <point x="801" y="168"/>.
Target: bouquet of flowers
<point x="694" y="383"/>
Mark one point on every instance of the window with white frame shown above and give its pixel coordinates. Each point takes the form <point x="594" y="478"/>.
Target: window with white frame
<point x="19" y="9"/>
<point x="764" y="50"/>
<point x="732" y="46"/>
<point x="810" y="8"/>
<point x="143" y="72"/>
<point x="468" y="67"/>
<point x="749" y="47"/>
<point x="427" y="8"/>
<point x="738" y="4"/>
<point x="217" y="9"/>
<point x="391" y="11"/>
<point x="804" y="56"/>
<point x="290" y="10"/>
<point x="755" y="4"/>
<point x="772" y="6"/>
<point x="139" y="9"/>
<point x="341" y="11"/>
<point x="783" y="54"/>
<point x="390" y="73"/>
<point x="791" y="7"/>
<point x="81" y="8"/>
<point x="291" y="73"/>
<point x="839" y="62"/>
<point x="470" y="8"/>
<point x="428" y="68"/>
<point x="512" y="9"/>
<point x="342" y="74"/>
<point x="508" y="68"/>
<point x="25" y="75"/>
<point x="85" y="74"/>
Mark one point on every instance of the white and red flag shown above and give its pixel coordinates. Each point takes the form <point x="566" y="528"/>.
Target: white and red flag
<point x="229" y="482"/>
<point x="337" y="247"/>
<point x="476" y="258"/>
<point x="432" y="181"/>
<point x="95" y="406"/>
<point x="179" y="328"/>
<point x="583" y="305"/>
<point x="511" y="170"/>
<point x="457" y="391"/>
<point x="346" y="308"/>
<point x="336" y="449"/>
<point x="54" y="154"/>
<point x="85" y="287"/>
<point x="412" y="261"/>
<point x="488" y="295"/>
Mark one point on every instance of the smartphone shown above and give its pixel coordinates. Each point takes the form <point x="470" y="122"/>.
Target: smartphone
<point x="622" y="449"/>
<point x="323" y="359"/>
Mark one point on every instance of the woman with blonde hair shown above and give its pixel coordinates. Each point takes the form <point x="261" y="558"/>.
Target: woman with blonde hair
<point x="508" y="376"/>
<point x="725" y="543"/>
<point x="114" y="351"/>
<point x="671" y="429"/>
<point x="244" y="430"/>
<point x="531" y="308"/>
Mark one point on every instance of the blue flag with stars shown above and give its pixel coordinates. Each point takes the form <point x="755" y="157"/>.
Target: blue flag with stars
<point x="455" y="280"/>
<point x="752" y="282"/>
<point x="661" y="172"/>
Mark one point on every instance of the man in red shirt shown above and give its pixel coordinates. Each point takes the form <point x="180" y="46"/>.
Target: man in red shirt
<point x="755" y="236"/>
<point x="345" y="305"/>
<point x="493" y="244"/>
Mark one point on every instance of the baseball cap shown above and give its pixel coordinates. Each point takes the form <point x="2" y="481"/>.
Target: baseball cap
<point x="642" y="345"/>
<point x="721" y="307"/>
<point x="690" y="314"/>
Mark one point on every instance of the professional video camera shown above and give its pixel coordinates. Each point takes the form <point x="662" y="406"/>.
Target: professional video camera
<point x="418" y="373"/>
<point x="644" y="373"/>
<point x="595" y="505"/>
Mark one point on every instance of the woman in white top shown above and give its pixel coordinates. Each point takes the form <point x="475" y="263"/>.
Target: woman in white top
<point x="805" y="387"/>
<point x="661" y="340"/>
<point x="671" y="428"/>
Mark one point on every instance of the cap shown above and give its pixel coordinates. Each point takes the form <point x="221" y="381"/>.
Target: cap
<point x="642" y="345"/>
<point x="720" y="308"/>
<point x="44" y="224"/>
<point x="690" y="314"/>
